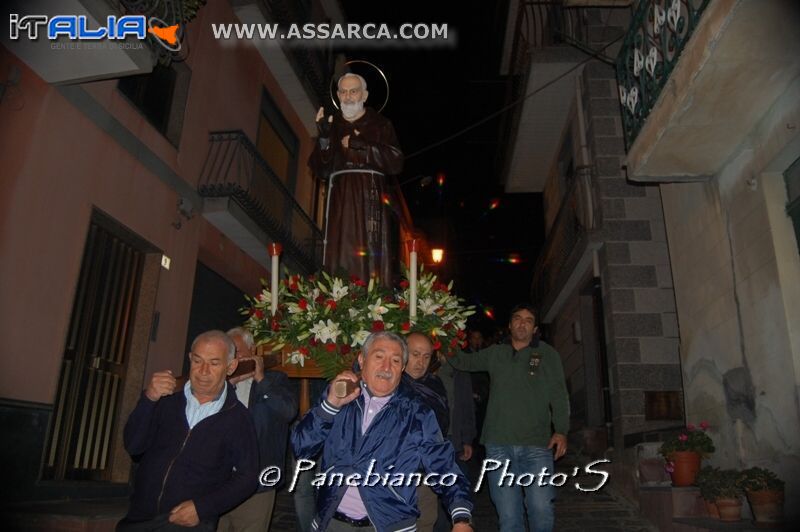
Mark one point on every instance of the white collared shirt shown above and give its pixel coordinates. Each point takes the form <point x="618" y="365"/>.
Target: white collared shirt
<point x="195" y="412"/>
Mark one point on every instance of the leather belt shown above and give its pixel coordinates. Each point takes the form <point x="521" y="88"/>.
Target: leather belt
<point x="364" y="521"/>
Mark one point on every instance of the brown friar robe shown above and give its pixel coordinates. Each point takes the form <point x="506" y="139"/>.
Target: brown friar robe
<point x="362" y="224"/>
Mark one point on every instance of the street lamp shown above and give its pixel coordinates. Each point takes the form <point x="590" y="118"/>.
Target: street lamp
<point x="437" y="254"/>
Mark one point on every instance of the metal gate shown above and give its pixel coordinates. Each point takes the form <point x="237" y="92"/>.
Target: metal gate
<point x="87" y="402"/>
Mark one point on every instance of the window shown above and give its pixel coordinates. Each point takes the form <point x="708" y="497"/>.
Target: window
<point x="161" y="97"/>
<point x="792" y="177"/>
<point x="277" y="144"/>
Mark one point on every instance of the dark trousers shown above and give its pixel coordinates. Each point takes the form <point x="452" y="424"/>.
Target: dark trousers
<point x="161" y="524"/>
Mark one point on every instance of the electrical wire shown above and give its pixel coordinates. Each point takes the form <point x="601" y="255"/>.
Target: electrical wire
<point x="593" y="55"/>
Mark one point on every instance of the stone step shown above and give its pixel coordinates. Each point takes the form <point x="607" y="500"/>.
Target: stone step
<point x="66" y="516"/>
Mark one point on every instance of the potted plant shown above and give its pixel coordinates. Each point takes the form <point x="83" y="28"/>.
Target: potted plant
<point x="684" y="451"/>
<point x="764" y="492"/>
<point x="729" y="501"/>
<point x="707" y="480"/>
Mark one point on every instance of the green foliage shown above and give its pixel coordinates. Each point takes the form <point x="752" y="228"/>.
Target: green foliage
<point x="728" y="484"/>
<point x="708" y="479"/>
<point x="690" y="439"/>
<point x="760" y="479"/>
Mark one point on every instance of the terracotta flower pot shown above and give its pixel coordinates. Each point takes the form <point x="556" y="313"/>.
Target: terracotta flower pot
<point x="711" y="509"/>
<point x="729" y="509"/>
<point x="687" y="464"/>
<point x="767" y="507"/>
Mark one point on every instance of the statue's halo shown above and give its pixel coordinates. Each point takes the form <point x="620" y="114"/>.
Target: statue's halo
<point x="333" y="87"/>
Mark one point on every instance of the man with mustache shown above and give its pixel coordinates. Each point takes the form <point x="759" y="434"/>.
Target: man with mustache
<point x="358" y="155"/>
<point x="382" y="427"/>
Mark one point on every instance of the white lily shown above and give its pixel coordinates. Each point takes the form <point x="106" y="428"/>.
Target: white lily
<point x="377" y="310"/>
<point x="352" y="312"/>
<point x="338" y="290"/>
<point x="297" y="358"/>
<point x="325" y="331"/>
<point x="359" y="338"/>
<point x="428" y="306"/>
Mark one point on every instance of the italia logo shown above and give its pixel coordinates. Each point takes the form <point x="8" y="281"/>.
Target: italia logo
<point x="78" y="28"/>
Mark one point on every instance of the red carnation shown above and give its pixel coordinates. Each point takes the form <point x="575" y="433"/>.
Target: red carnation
<point x="440" y="287"/>
<point x="437" y="345"/>
<point x="320" y="299"/>
<point x="464" y="344"/>
<point x="404" y="284"/>
<point x="312" y="278"/>
<point x="354" y="278"/>
<point x="406" y="326"/>
<point x="313" y="342"/>
<point x="344" y="349"/>
<point x="330" y="348"/>
<point x="331" y="304"/>
<point x="275" y="325"/>
<point x="359" y="282"/>
<point x="461" y="334"/>
<point x="447" y="326"/>
<point x="303" y="304"/>
<point x="304" y="351"/>
<point x="293" y="287"/>
<point x="402" y="304"/>
<point x="454" y="342"/>
<point x="258" y="313"/>
<point x="377" y="326"/>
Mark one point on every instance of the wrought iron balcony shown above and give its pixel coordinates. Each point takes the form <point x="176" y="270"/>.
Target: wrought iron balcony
<point x="234" y="169"/>
<point x="544" y="33"/>
<point x="312" y="65"/>
<point x="575" y="224"/>
<point x="650" y="50"/>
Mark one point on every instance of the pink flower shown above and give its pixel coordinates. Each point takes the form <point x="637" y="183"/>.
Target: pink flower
<point x="690" y="427"/>
<point x="669" y="467"/>
<point x="704" y="425"/>
<point x="683" y="437"/>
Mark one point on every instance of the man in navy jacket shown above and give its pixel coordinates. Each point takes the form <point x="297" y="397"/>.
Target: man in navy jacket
<point x="373" y="443"/>
<point x="196" y="445"/>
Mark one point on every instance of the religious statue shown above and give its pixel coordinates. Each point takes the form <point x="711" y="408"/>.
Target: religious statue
<point x="357" y="153"/>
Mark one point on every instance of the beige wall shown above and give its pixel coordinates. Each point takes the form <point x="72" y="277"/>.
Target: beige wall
<point x="57" y="165"/>
<point x="736" y="272"/>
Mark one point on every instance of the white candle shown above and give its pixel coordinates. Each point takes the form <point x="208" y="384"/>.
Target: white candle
<point x="412" y="290"/>
<point x="275" y="252"/>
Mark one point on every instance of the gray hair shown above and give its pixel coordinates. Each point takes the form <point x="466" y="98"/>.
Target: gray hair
<point x="352" y="75"/>
<point x="244" y="334"/>
<point x="386" y="335"/>
<point x="216" y="336"/>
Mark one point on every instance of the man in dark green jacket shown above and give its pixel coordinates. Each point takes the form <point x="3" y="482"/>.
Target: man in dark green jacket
<point x="528" y="394"/>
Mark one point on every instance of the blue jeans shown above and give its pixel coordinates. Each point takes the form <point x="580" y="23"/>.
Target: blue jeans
<point x="508" y="500"/>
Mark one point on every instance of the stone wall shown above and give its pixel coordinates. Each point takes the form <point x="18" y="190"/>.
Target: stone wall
<point x="641" y="324"/>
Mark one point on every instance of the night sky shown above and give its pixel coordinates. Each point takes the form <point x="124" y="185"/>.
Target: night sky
<point x="438" y="91"/>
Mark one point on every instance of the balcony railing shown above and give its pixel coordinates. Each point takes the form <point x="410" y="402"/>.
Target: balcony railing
<point x="650" y="50"/>
<point x="234" y="169"/>
<point x="577" y="218"/>
<point x="539" y="24"/>
<point x="313" y="65"/>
